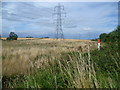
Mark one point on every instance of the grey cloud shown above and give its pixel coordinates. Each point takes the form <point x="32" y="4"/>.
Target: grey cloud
<point x="26" y="11"/>
<point x="79" y="16"/>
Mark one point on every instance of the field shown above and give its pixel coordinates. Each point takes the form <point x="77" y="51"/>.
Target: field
<point x="50" y="63"/>
<point x="23" y="52"/>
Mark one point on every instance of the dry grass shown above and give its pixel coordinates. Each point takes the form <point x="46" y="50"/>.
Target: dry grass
<point x="46" y="63"/>
<point x="46" y="39"/>
<point x="21" y="55"/>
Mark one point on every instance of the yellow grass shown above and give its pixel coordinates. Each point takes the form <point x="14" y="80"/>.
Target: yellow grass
<point x="47" y="39"/>
<point x="20" y="55"/>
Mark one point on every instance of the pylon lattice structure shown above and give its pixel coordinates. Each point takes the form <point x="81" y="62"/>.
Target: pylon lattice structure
<point x="59" y="14"/>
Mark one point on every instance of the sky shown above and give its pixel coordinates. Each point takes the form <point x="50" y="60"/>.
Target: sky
<point x="84" y="20"/>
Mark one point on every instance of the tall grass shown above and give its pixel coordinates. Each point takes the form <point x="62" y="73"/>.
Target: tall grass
<point x="70" y="72"/>
<point x="19" y="56"/>
<point x="63" y="69"/>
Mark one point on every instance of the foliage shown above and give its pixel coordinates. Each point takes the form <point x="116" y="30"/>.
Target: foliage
<point x="29" y="37"/>
<point x="113" y="36"/>
<point x="12" y="36"/>
<point x="94" y="39"/>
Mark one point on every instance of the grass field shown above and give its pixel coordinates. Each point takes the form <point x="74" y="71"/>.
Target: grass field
<point x="23" y="52"/>
<point x="48" y="63"/>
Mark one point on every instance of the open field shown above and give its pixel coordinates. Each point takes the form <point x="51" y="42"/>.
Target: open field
<point x="17" y="53"/>
<point x="46" y="39"/>
<point x="48" y="63"/>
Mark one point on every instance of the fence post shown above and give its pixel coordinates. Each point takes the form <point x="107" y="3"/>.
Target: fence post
<point x="98" y="44"/>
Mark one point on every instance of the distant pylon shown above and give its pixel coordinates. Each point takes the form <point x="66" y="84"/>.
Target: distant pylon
<point x="59" y="12"/>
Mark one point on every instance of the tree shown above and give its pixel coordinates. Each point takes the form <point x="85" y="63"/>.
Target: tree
<point x="12" y="36"/>
<point x="113" y="36"/>
<point x="103" y="37"/>
<point x="118" y="32"/>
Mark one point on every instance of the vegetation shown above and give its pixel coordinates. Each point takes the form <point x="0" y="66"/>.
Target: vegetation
<point x="59" y="64"/>
<point x="112" y="36"/>
<point x="0" y="36"/>
<point x="12" y="36"/>
<point x="29" y="36"/>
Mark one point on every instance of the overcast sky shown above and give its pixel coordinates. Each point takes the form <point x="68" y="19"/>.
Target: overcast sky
<point x="85" y="20"/>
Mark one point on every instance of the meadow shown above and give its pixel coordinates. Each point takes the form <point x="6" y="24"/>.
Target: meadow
<point x="50" y="63"/>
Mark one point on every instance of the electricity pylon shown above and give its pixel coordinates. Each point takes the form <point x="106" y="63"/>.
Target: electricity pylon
<point x="59" y="12"/>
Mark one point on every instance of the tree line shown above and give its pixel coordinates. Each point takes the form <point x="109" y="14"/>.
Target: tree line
<point x="111" y="37"/>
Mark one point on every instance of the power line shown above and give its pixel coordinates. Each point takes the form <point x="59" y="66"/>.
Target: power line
<point x="59" y="12"/>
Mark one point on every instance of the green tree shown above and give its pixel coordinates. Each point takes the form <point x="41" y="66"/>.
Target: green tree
<point x="113" y="36"/>
<point x="12" y="36"/>
<point x="103" y="37"/>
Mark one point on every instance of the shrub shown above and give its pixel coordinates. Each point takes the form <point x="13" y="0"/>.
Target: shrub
<point x="12" y="36"/>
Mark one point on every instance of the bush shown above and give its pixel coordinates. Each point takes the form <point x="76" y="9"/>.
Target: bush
<point x="12" y="36"/>
<point x="113" y="36"/>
